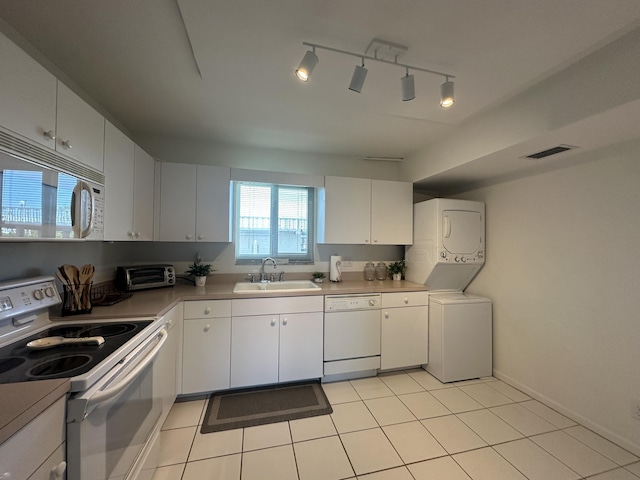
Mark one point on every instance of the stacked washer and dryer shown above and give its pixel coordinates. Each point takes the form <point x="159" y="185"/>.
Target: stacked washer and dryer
<point x="447" y="252"/>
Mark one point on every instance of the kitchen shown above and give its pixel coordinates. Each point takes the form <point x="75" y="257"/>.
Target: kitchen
<point x="561" y="280"/>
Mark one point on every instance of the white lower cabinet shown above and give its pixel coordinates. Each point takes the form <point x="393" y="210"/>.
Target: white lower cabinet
<point x="36" y="452"/>
<point x="405" y="330"/>
<point x="206" y="350"/>
<point x="276" y="340"/>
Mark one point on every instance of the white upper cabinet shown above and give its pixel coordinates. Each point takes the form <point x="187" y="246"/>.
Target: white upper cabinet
<point x="391" y="213"/>
<point x="143" y="195"/>
<point x="194" y="203"/>
<point x="364" y="211"/>
<point x="129" y="188"/>
<point x="80" y="129"/>
<point x="38" y="107"/>
<point x="27" y="95"/>
<point x="118" y="170"/>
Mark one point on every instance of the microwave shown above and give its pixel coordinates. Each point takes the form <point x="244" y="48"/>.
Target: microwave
<point x="142" y="277"/>
<point x="44" y="202"/>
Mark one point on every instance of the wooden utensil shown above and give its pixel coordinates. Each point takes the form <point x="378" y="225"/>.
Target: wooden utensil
<point x="86" y="274"/>
<point x="72" y="273"/>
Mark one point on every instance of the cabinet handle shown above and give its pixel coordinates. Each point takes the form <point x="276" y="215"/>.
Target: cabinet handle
<point x="49" y="134"/>
<point x="207" y="310"/>
<point x="200" y="237"/>
<point x="59" y="469"/>
<point x="136" y="234"/>
<point x="386" y="314"/>
<point x="188" y="236"/>
<point x="375" y="240"/>
<point x="284" y="321"/>
<point x="207" y="327"/>
<point x="273" y="322"/>
<point x="67" y="144"/>
<point x="406" y="300"/>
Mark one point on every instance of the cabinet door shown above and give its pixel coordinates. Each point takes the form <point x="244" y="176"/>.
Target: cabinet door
<point x="143" y="189"/>
<point x="254" y="350"/>
<point x="27" y="95"/>
<point x="404" y="337"/>
<point x="212" y="204"/>
<point x="300" y="346"/>
<point x="177" y="202"/>
<point x="391" y="213"/>
<point x="206" y="355"/>
<point x="347" y="210"/>
<point x="118" y="170"/>
<point x="80" y="129"/>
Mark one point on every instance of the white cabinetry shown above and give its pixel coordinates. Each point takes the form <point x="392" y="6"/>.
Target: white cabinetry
<point x="405" y="330"/>
<point x="36" y="452"/>
<point x="80" y="129"/>
<point x="363" y="211"/>
<point x="170" y="360"/>
<point x="38" y="107"/>
<point x="206" y="348"/>
<point x="27" y="95"/>
<point x="276" y="340"/>
<point x="194" y="203"/>
<point x="129" y="186"/>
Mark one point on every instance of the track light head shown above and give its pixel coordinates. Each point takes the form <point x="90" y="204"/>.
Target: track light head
<point x="446" y="94"/>
<point x="309" y="61"/>
<point x="358" y="77"/>
<point x="408" y="88"/>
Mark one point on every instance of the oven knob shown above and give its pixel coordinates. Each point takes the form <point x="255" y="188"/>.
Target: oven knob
<point x="457" y="259"/>
<point x="463" y="259"/>
<point x="49" y="292"/>
<point x="38" y="295"/>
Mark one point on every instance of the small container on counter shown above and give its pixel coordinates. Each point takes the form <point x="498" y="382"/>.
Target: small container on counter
<point x="369" y="271"/>
<point x="381" y="271"/>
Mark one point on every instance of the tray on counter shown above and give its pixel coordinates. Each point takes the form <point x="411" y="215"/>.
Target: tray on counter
<point x="106" y="295"/>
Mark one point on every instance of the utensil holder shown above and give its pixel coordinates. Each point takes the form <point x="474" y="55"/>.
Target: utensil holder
<point x="76" y="299"/>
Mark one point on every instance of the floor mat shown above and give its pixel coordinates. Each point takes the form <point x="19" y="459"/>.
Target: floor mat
<point x="259" y="406"/>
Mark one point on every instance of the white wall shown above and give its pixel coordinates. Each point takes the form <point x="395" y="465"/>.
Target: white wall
<point x="563" y="268"/>
<point x="168" y="149"/>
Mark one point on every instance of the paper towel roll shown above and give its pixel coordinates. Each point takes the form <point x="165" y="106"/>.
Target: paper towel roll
<point x="335" y="268"/>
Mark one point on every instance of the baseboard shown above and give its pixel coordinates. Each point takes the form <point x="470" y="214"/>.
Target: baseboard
<point x="576" y="417"/>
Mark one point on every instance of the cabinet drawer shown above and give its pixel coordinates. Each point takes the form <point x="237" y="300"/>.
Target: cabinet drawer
<point x="404" y="299"/>
<point x="207" y="308"/>
<point x="275" y="306"/>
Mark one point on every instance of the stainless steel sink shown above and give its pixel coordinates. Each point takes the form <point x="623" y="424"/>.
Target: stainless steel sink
<point x="282" y="287"/>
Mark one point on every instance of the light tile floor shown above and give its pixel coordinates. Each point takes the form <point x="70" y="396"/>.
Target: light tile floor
<point x="399" y="426"/>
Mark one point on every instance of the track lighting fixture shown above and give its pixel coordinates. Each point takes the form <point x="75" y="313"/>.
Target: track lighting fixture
<point x="384" y="52"/>
<point x="307" y="65"/>
<point x="446" y="94"/>
<point x="357" y="79"/>
<point x="408" y="87"/>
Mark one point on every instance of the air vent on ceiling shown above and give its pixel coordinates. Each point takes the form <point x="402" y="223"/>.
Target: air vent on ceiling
<point x="550" y="151"/>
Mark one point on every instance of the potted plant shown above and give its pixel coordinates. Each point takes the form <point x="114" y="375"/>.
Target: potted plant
<point x="200" y="271"/>
<point x="397" y="270"/>
<point x="317" y="277"/>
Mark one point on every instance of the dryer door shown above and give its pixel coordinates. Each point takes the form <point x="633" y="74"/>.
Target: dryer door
<point x="462" y="232"/>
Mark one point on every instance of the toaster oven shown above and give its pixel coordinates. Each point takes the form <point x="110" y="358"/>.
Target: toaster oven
<point x="142" y="277"/>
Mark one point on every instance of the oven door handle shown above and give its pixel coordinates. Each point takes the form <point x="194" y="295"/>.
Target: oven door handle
<point x="131" y="376"/>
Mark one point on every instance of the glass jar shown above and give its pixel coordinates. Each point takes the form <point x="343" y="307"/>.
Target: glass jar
<point x="369" y="271"/>
<point x="381" y="271"/>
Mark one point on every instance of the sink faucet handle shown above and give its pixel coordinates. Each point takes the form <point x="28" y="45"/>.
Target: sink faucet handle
<point x="281" y="276"/>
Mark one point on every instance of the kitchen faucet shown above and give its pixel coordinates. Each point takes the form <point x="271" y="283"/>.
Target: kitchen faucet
<point x="263" y="276"/>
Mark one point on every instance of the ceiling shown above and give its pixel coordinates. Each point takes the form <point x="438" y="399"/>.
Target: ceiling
<point x="222" y="71"/>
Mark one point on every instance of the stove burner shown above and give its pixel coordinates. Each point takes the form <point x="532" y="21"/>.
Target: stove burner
<point x="63" y="331"/>
<point x="58" y="366"/>
<point x="10" y="363"/>
<point x="110" y="330"/>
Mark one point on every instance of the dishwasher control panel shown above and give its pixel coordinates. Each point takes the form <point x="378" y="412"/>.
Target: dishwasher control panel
<point x="340" y="303"/>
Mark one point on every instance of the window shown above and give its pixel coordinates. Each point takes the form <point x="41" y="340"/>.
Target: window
<point x="273" y="221"/>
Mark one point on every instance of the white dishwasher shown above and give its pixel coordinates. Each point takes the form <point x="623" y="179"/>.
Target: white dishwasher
<point x="351" y="335"/>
